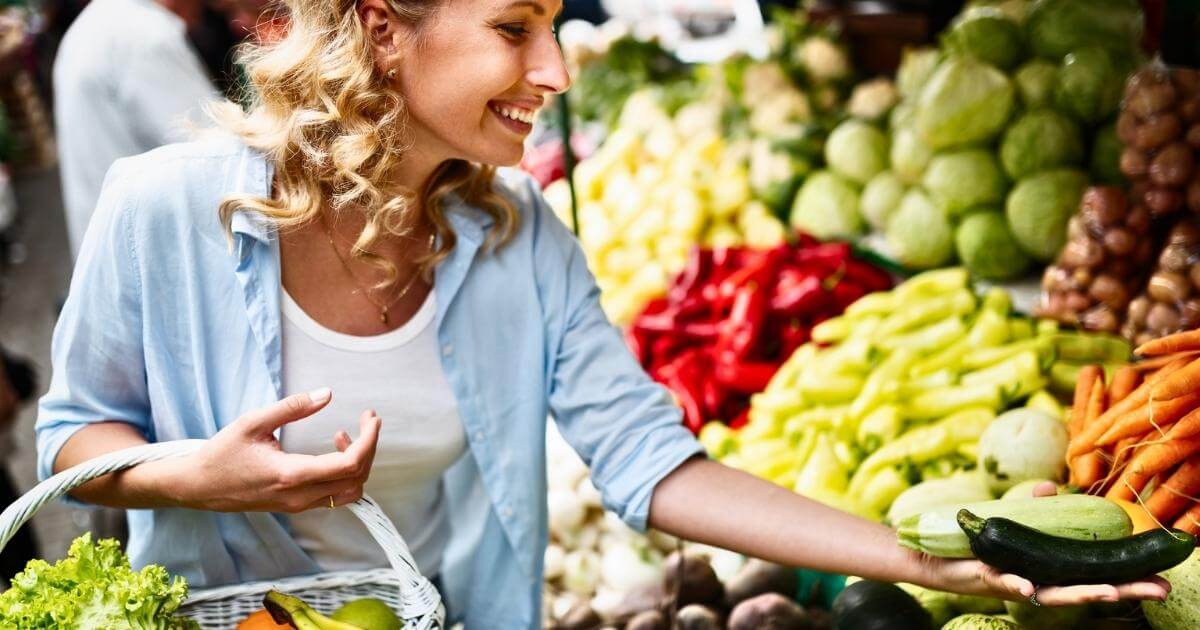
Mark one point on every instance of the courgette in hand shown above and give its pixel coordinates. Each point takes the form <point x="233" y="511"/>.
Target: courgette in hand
<point x="1052" y="560"/>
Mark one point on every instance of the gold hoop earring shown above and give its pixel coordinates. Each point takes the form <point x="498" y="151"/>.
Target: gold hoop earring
<point x="391" y="74"/>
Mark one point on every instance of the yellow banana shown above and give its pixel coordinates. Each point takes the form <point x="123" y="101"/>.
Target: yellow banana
<point x="285" y="608"/>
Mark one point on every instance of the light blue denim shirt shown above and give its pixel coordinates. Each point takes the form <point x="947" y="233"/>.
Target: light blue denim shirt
<point x="167" y="329"/>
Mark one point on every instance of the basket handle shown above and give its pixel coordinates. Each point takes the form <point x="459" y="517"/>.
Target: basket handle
<point x="418" y="597"/>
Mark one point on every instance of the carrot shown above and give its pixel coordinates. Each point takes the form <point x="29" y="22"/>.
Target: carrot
<point x="1178" y="342"/>
<point x="1149" y="365"/>
<point x="1154" y="416"/>
<point x="1179" y="490"/>
<point x="1183" y="381"/>
<point x="1088" y="376"/>
<point x="1124" y="381"/>
<point x="1190" y="521"/>
<point x="1187" y="427"/>
<point x="1089" y="468"/>
<point x="1086" y="440"/>
<point x="1148" y="462"/>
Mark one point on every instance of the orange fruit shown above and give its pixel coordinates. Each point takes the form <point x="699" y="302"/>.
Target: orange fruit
<point x="262" y="620"/>
<point x="1142" y="521"/>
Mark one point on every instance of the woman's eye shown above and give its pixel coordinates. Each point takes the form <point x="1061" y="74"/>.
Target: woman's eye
<point x="515" y="31"/>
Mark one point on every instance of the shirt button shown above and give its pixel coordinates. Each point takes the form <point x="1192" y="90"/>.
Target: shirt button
<point x="479" y="436"/>
<point x="447" y="349"/>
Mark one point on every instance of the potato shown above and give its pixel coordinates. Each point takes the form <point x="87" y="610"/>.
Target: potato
<point x="1110" y="292"/>
<point x="1193" y="195"/>
<point x="699" y="583"/>
<point x="1149" y="98"/>
<point x="1157" y="131"/>
<point x="697" y="617"/>
<point x="648" y="620"/>
<point x="771" y="610"/>
<point x="1119" y="242"/>
<point x="1163" y="201"/>
<point x="1173" y="165"/>
<point x="580" y="617"/>
<point x="758" y="577"/>
<point x="1101" y="318"/>
<point x="1169" y="287"/>
<point x="1127" y="125"/>
<point x="1133" y="162"/>
<point x="651" y="597"/>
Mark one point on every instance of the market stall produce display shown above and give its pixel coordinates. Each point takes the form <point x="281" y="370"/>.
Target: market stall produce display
<point x="906" y="386"/>
<point x="735" y="314"/>
<point x="995" y="137"/>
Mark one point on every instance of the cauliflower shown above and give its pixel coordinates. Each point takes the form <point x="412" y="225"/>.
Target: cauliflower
<point x="823" y="60"/>
<point x="780" y="114"/>
<point x="872" y="99"/>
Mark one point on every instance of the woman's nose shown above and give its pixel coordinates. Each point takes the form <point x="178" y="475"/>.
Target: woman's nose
<point x="547" y="68"/>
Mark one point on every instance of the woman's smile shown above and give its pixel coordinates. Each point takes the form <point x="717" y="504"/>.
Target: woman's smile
<point x="517" y="118"/>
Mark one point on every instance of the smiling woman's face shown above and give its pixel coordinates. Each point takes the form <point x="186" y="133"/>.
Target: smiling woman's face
<point x="476" y="76"/>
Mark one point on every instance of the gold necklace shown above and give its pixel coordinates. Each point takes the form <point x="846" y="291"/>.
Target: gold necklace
<point x="366" y="292"/>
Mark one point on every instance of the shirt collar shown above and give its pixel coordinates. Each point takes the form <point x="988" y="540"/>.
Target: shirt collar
<point x="468" y="222"/>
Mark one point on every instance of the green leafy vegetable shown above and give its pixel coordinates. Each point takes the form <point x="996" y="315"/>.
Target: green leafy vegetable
<point x="987" y="247"/>
<point x="1040" y="140"/>
<point x="1035" y="83"/>
<point x="94" y="587"/>
<point x="1089" y="85"/>
<point x="988" y="35"/>
<point x="1057" y="27"/>
<point x="965" y="102"/>
<point x="856" y="150"/>
<point x="1106" y="156"/>
<point x="827" y="207"/>
<point x="919" y="234"/>
<point x="1039" y="207"/>
<point x="960" y="180"/>
<point x="880" y="198"/>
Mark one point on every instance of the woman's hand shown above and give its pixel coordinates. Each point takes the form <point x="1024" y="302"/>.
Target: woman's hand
<point x="244" y="469"/>
<point x="973" y="576"/>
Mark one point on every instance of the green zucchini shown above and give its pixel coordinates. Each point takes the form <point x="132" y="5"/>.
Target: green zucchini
<point x="1076" y="516"/>
<point x="1053" y="560"/>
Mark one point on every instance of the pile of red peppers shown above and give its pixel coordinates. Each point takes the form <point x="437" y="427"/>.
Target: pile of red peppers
<point x="734" y="315"/>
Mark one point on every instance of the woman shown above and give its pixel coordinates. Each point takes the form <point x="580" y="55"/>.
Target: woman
<point x="352" y="235"/>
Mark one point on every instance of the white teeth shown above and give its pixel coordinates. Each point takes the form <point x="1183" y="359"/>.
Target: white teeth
<point x="522" y="115"/>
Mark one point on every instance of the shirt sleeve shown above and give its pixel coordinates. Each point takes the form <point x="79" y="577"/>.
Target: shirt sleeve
<point x="625" y="426"/>
<point x="99" y="371"/>
<point x="165" y="89"/>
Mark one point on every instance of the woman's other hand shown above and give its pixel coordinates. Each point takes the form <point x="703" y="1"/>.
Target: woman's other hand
<point x="243" y="468"/>
<point x="973" y="576"/>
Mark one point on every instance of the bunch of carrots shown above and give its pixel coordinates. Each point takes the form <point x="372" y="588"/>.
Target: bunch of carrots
<point x="1138" y="439"/>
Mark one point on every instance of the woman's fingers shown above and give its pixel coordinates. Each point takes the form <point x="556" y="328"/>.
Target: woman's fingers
<point x="1045" y="489"/>
<point x="295" y="407"/>
<point x="341" y="440"/>
<point x="1082" y="594"/>
<point x="352" y="463"/>
<point x="1154" y="588"/>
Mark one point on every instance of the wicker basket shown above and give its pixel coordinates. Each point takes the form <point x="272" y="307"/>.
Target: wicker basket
<point x="402" y="586"/>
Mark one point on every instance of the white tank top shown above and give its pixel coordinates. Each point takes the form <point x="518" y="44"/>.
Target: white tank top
<point x="399" y="375"/>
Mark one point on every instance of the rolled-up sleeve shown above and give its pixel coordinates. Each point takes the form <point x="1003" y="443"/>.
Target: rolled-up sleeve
<point x="98" y="365"/>
<point x="625" y="426"/>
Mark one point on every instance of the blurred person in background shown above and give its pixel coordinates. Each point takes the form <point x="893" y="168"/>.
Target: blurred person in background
<point x="17" y="386"/>
<point x="126" y="80"/>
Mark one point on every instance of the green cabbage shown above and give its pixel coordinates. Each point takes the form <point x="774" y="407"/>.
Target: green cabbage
<point x="856" y="150"/>
<point x="1035" y="83"/>
<point x="988" y="35"/>
<point x="1022" y="444"/>
<point x="916" y="66"/>
<point x="980" y="622"/>
<point x="880" y="198"/>
<point x="827" y="207"/>
<point x="909" y="155"/>
<point x="94" y="587"/>
<point x="1057" y="27"/>
<point x="918" y="233"/>
<point x="987" y="248"/>
<point x="960" y="180"/>
<point x="1040" y="140"/>
<point x="965" y="102"/>
<point x="1089" y="85"/>
<point x="1039" y="207"/>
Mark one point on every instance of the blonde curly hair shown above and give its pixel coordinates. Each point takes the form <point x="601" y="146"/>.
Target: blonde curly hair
<point x="334" y="128"/>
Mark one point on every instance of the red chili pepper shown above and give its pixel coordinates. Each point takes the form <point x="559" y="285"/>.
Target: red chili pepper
<point x="867" y="276"/>
<point x="847" y="293"/>
<point x="714" y="398"/>
<point x="794" y="335"/>
<point x="745" y="378"/>
<point x="698" y="268"/>
<point x="801" y="299"/>
<point x="637" y="345"/>
<point x="685" y="376"/>
<point x="827" y="256"/>
<point x="701" y="331"/>
<point x="741" y="420"/>
<point x="744" y="327"/>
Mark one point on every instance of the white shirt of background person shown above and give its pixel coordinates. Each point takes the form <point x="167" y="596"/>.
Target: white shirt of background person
<point x="126" y="80"/>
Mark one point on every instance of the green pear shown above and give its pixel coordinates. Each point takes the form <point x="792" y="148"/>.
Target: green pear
<point x="369" y="614"/>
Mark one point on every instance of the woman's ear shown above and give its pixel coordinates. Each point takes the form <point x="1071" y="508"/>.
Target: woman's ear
<point x="384" y="31"/>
